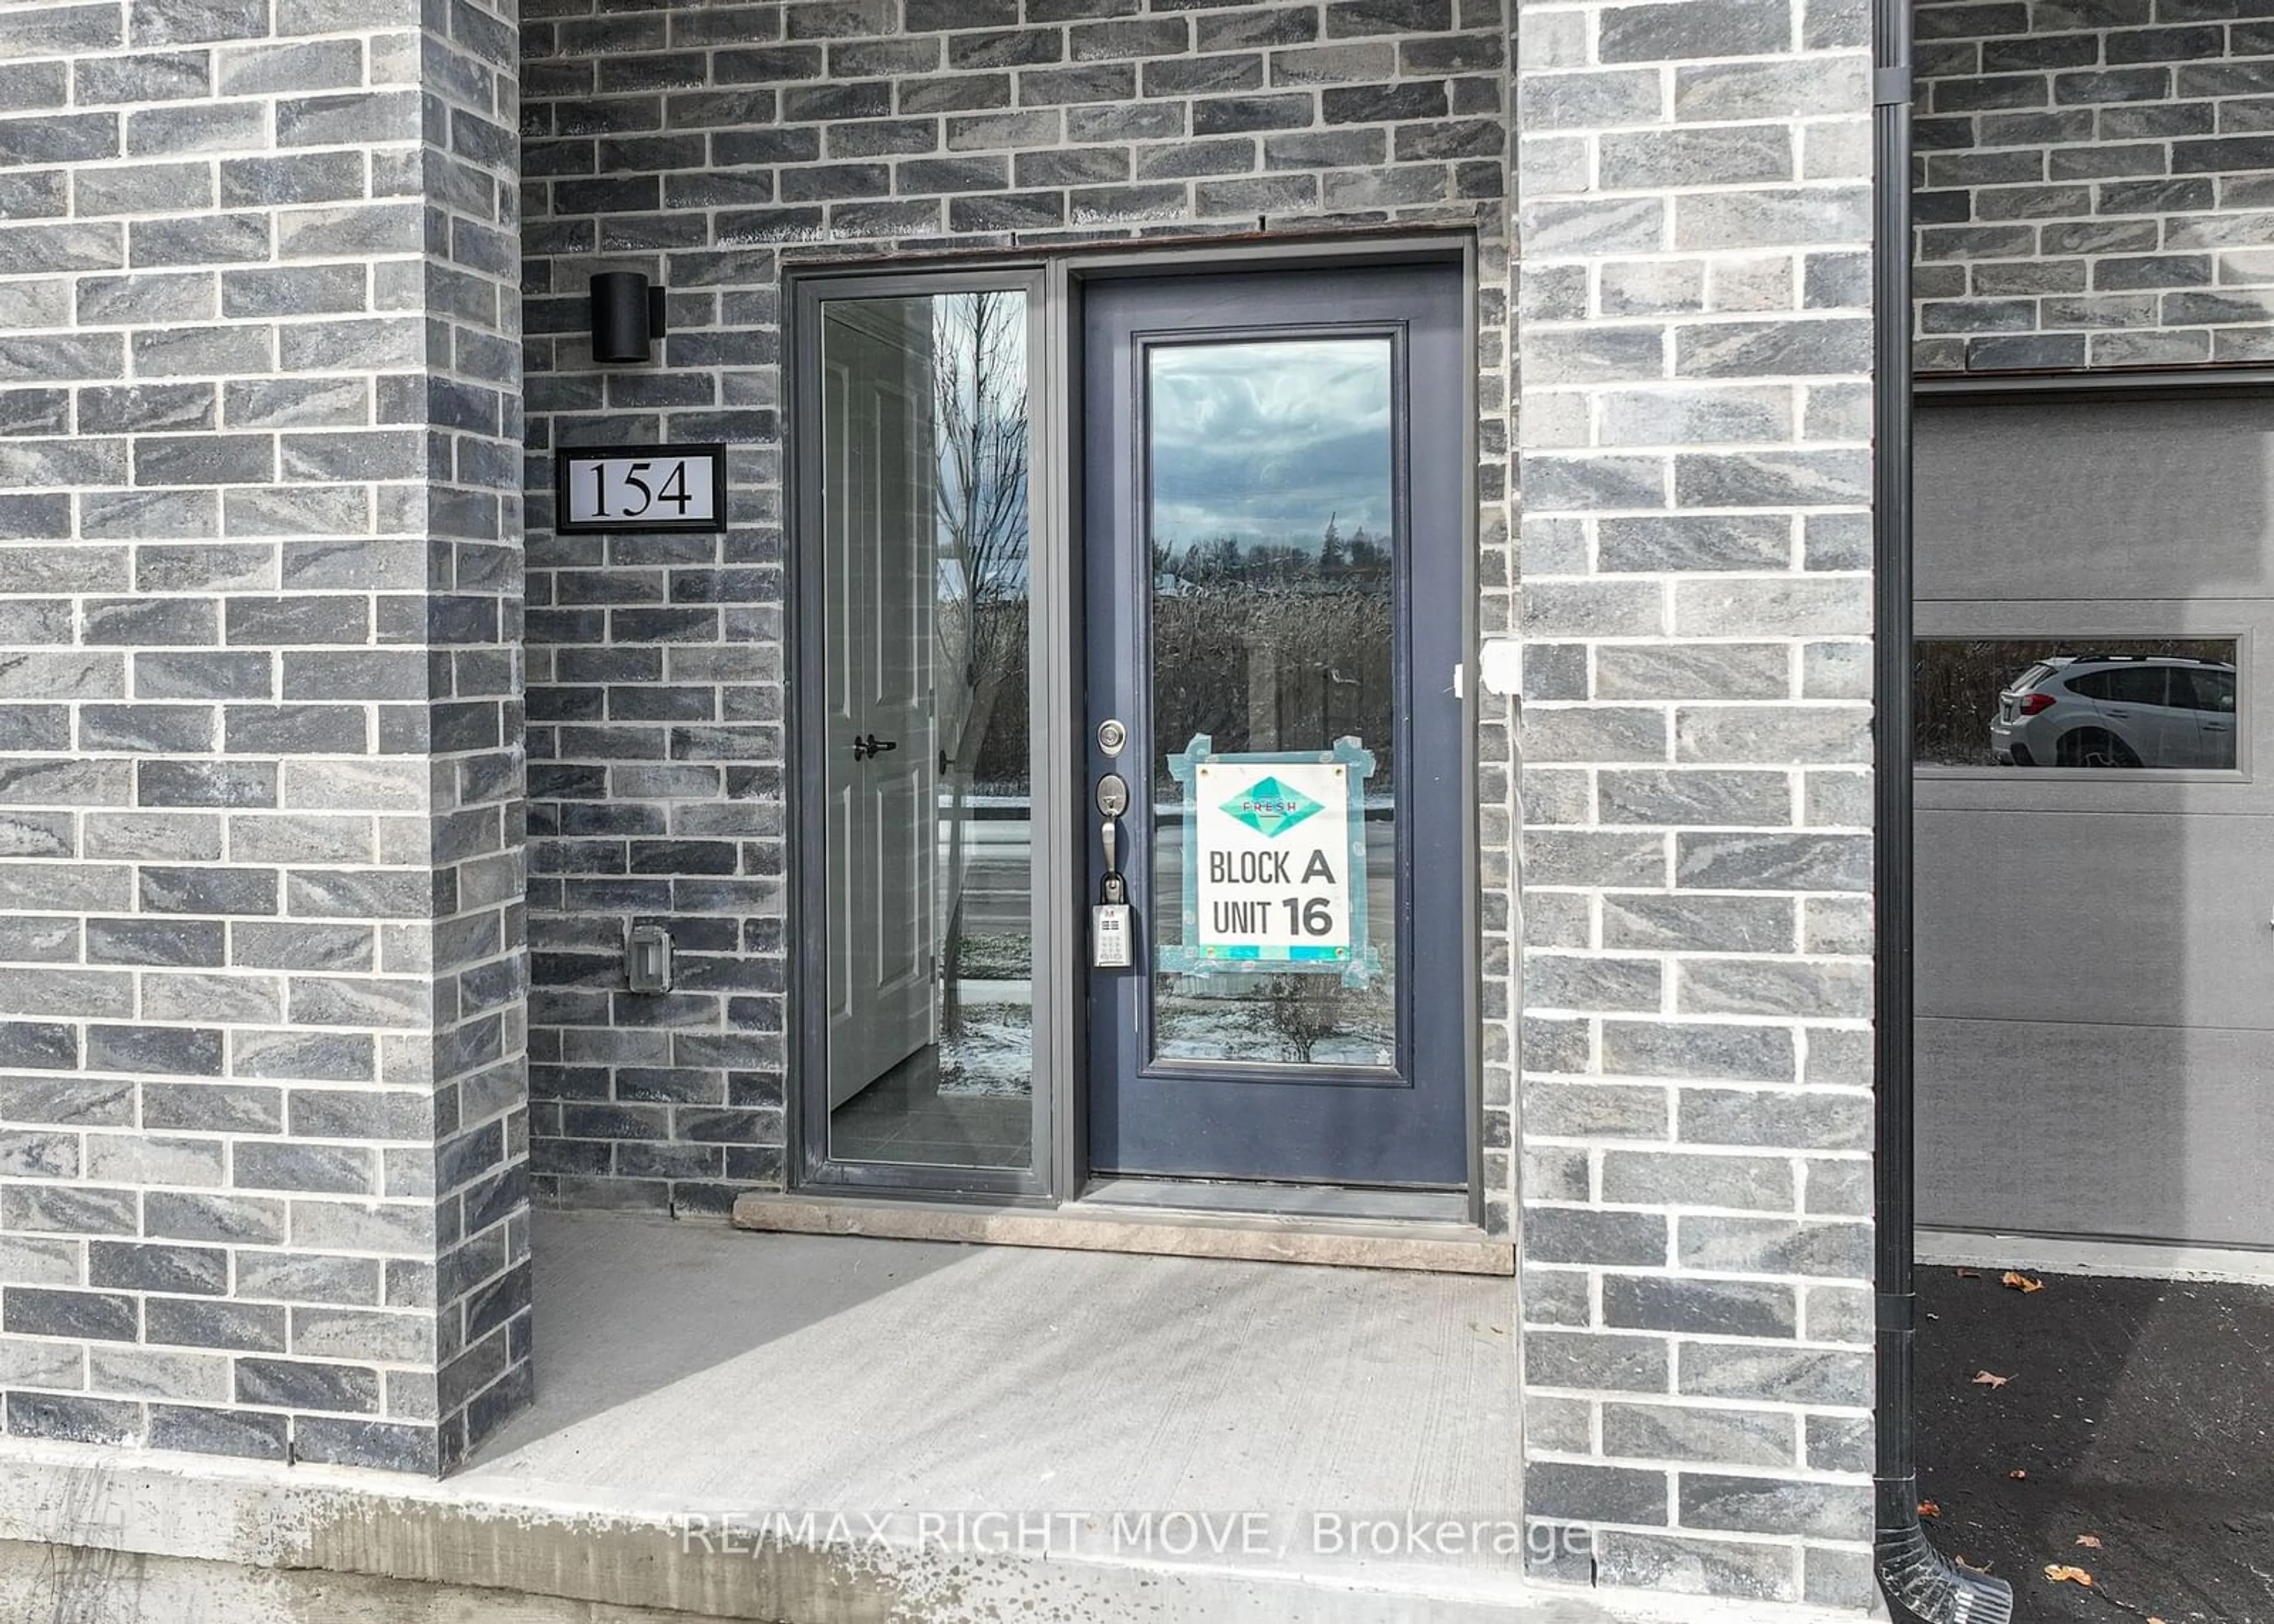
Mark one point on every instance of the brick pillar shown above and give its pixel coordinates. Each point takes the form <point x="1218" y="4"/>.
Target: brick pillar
<point x="262" y="1108"/>
<point x="1694" y="343"/>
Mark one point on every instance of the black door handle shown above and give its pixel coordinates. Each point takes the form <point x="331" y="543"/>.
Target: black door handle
<point x="864" y="748"/>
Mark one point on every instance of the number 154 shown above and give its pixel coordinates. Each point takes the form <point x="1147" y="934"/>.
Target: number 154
<point x="635" y="495"/>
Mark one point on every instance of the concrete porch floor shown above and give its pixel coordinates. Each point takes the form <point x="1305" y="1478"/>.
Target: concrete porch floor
<point x="759" y="1372"/>
<point x="695" y="1383"/>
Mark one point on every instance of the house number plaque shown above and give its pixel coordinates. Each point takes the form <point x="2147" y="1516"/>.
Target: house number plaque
<point x="639" y="488"/>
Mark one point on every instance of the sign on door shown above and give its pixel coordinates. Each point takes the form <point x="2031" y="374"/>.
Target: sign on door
<point x="1275" y="861"/>
<point x="1274" y="843"/>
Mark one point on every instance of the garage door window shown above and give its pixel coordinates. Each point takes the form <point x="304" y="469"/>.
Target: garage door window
<point x="2112" y="705"/>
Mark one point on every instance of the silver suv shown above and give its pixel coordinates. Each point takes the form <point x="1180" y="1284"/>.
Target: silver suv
<point x="2117" y="710"/>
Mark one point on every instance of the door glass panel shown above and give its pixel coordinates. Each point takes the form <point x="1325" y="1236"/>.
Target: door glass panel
<point x="924" y="565"/>
<point x="1272" y="503"/>
<point x="2108" y="703"/>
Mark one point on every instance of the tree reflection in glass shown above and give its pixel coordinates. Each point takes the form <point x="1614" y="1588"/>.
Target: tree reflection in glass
<point x="1273" y="524"/>
<point x="925" y="434"/>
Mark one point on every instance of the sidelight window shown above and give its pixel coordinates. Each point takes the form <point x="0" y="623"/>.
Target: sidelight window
<point x="925" y="511"/>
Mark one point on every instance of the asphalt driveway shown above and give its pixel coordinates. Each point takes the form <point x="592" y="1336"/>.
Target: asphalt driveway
<point x="2138" y="1413"/>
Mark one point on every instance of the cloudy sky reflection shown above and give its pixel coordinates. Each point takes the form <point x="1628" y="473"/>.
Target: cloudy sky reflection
<point x="1265" y="440"/>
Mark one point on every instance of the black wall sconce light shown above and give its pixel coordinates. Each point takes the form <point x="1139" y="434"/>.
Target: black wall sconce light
<point x="626" y="317"/>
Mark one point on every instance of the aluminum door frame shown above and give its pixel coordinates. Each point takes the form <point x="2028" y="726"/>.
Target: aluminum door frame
<point x="1054" y="285"/>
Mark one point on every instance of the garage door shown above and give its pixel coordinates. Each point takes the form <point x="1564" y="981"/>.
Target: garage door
<point x="2094" y="843"/>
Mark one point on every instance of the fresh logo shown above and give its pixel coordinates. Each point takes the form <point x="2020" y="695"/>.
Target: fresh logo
<point x="1270" y="808"/>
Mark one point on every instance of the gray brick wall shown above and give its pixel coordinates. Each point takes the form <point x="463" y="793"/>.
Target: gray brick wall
<point x="1696" y="343"/>
<point x="709" y="146"/>
<point x="262" y="1127"/>
<point x="1694" y="340"/>
<point x="2095" y="184"/>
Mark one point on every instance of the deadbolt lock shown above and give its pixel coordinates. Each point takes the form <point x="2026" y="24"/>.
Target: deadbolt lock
<point x="1111" y="736"/>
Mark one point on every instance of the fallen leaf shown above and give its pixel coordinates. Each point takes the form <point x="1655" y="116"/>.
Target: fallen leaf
<point x="1969" y="1567"/>
<point x="1990" y="1380"/>
<point x="1970" y="1273"/>
<point x="2061" y="1574"/>
<point x="2090" y="1542"/>
<point x="2019" y="1281"/>
<point x="1928" y="1508"/>
<point x="2018" y="1476"/>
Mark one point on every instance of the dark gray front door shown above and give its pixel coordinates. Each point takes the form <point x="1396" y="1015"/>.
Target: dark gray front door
<point x="1273" y="527"/>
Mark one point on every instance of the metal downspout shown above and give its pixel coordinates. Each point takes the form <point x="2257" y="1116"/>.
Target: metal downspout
<point x="1914" y="1574"/>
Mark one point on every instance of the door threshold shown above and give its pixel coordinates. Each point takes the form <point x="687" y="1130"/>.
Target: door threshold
<point x="1271" y="1200"/>
<point x="1092" y="1225"/>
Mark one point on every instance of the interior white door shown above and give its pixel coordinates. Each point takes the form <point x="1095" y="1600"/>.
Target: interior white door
<point x="881" y="748"/>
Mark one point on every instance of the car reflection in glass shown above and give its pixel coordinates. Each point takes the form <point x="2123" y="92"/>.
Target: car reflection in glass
<point x="2117" y="710"/>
